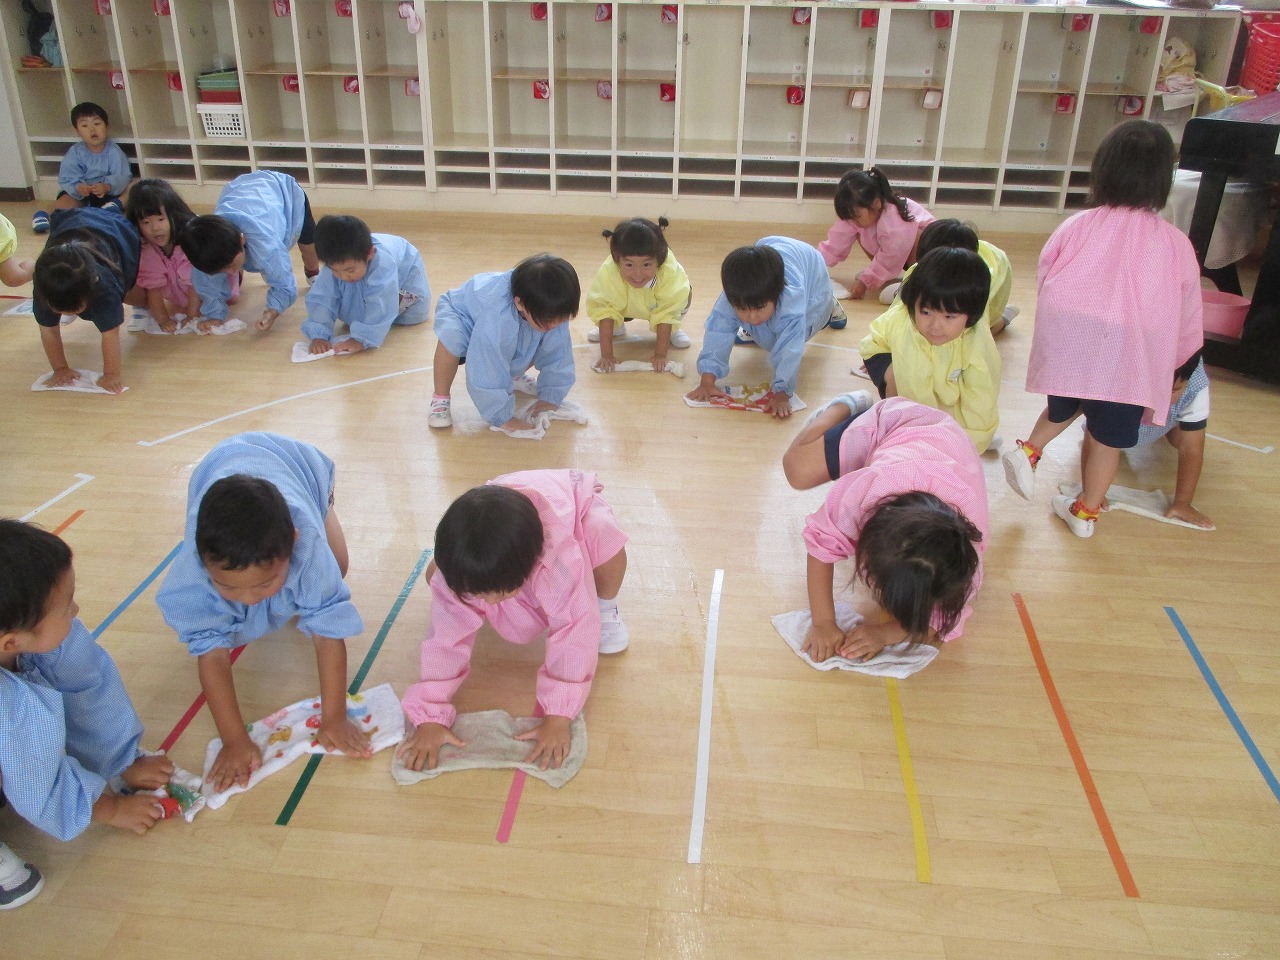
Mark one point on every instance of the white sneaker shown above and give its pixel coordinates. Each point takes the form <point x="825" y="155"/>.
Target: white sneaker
<point x="19" y="881"/>
<point x="680" y="340"/>
<point x="839" y="291"/>
<point x="439" y="415"/>
<point x="619" y="333"/>
<point x="613" y="632"/>
<point x="858" y="402"/>
<point x="1009" y="313"/>
<point x="1081" y="528"/>
<point x="1019" y="473"/>
<point x="889" y="291"/>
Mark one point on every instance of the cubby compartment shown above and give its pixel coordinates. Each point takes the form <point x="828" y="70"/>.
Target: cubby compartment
<point x="458" y="78"/>
<point x="773" y="119"/>
<point x="919" y="45"/>
<point x="99" y="86"/>
<point x="162" y="113"/>
<point x="708" y="96"/>
<point x="146" y="39"/>
<point x="780" y="189"/>
<point x="274" y="110"/>
<point x="521" y="84"/>
<point x="326" y="38"/>
<point x="1054" y="54"/>
<point x="844" y="50"/>
<point x="87" y="38"/>
<point x="837" y="128"/>
<point x="699" y="187"/>
<point x="462" y="180"/>
<point x="41" y="96"/>
<point x="334" y="110"/>
<point x="393" y="110"/>
<point x="265" y="38"/>
<point x="1125" y="58"/>
<point x="654" y="185"/>
<point x="584" y="113"/>
<point x="524" y="180"/>
<point x="915" y="179"/>
<point x="583" y="163"/>
<point x="573" y="182"/>
<point x="387" y="48"/>
<point x="975" y="127"/>
<point x="1032" y="188"/>
<point x="646" y="122"/>
<point x="389" y="177"/>
<point x="1041" y="130"/>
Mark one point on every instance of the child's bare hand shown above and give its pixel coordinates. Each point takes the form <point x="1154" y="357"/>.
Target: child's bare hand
<point x="344" y="736"/>
<point x="515" y="424"/>
<point x="62" y="377"/>
<point x="550" y="742"/>
<point x="659" y="361"/>
<point x="867" y="639"/>
<point x="98" y="189"/>
<point x="148" y="773"/>
<point x="705" y="392"/>
<point x="347" y="346"/>
<point x="823" y="641"/>
<point x="205" y="325"/>
<point x="111" y="382"/>
<point x="138" y="813"/>
<point x="1189" y="514"/>
<point x="320" y="345"/>
<point x="542" y="406"/>
<point x="606" y="364"/>
<point x="423" y="747"/>
<point x="235" y="764"/>
<point x="168" y="324"/>
<point x="779" y="405"/>
<point x="83" y="189"/>
<point x="858" y="290"/>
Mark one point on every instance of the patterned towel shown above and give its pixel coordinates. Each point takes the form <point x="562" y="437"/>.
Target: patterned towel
<point x="742" y="397"/>
<point x="899" y="660"/>
<point x="288" y="734"/>
<point x="142" y="321"/>
<point x="491" y="745"/>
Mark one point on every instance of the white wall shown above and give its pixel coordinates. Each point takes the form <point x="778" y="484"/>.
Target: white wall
<point x="13" y="167"/>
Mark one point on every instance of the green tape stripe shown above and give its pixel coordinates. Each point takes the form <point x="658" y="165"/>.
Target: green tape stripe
<point x="313" y="762"/>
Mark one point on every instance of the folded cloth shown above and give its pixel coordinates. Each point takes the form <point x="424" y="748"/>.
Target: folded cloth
<point x="1145" y="503"/>
<point x="302" y="353"/>
<point x="21" y="308"/>
<point x="742" y="397"/>
<point x="491" y="741"/>
<point x="142" y="321"/>
<point x="899" y="660"/>
<point x="674" y="367"/>
<point x="289" y="733"/>
<point x="568" y="410"/>
<point x="86" y="381"/>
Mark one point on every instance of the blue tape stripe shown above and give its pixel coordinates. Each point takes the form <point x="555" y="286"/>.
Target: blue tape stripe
<point x="137" y="591"/>
<point x="1225" y="704"/>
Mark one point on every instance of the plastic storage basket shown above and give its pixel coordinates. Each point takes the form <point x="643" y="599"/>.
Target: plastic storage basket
<point x="222" y="120"/>
<point x="1261" y="72"/>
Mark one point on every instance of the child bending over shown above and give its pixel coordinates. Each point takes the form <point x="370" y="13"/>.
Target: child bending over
<point x="908" y="503"/>
<point x="501" y="325"/>
<point x="533" y="553"/>
<point x="89" y="268"/>
<point x="69" y="735"/>
<point x="258" y="219"/>
<point x="263" y="545"/>
<point x="933" y="346"/>
<point x="870" y="213"/>
<point x="776" y="294"/>
<point x="954" y="233"/>
<point x="370" y="281"/>
<point x="94" y="173"/>
<point x="640" y="279"/>
<point x="1118" y="311"/>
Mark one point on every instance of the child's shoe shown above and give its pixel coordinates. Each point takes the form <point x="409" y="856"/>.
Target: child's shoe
<point x="839" y="319"/>
<point x="1020" y="469"/>
<point x="439" y="416"/>
<point x="619" y="333"/>
<point x="743" y="337"/>
<point x="1079" y="520"/>
<point x="889" y="291"/>
<point x="40" y="221"/>
<point x="1009" y="313"/>
<point x="19" y="881"/>
<point x="680" y="340"/>
<point x="858" y="402"/>
<point x="839" y="291"/>
<point x="613" y="632"/>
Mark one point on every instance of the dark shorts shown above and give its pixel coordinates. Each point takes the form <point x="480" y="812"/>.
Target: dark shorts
<point x="1111" y="424"/>
<point x="831" y="445"/>
<point x="308" y="234"/>
<point x="91" y="200"/>
<point x="877" y="367"/>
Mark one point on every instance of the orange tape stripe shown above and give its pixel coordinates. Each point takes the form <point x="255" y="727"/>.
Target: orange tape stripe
<point x="68" y="522"/>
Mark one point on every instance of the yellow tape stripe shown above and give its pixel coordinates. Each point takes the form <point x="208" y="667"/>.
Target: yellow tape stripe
<point x="909" y="782"/>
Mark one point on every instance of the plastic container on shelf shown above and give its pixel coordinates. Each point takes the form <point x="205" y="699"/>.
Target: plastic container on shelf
<point x="222" y="120"/>
<point x="220" y="96"/>
<point x="1261" y="72"/>
<point x="1224" y="313"/>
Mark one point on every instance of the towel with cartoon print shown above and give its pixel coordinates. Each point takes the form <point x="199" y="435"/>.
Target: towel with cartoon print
<point x="289" y="733"/>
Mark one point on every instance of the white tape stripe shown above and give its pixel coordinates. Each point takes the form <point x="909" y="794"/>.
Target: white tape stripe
<point x="84" y="478"/>
<point x="704" y="724"/>
<point x="1237" y="443"/>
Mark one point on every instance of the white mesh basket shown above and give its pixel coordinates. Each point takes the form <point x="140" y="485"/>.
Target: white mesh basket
<point x="222" y="119"/>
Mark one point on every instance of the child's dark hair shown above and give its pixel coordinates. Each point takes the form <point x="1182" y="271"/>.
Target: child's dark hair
<point x="752" y="277"/>
<point x="916" y="554"/>
<point x="547" y="287"/>
<point x="66" y="272"/>
<point x="1186" y="369"/>
<point x="340" y="239"/>
<point x="860" y="189"/>
<point x="947" y="233"/>
<point x="950" y="279"/>
<point x="157" y="198"/>
<point x="638" y="237"/>
<point x="32" y="561"/>
<point x="88" y="109"/>
<point x="488" y="541"/>
<point x="1133" y="167"/>
<point x="243" y="521"/>
<point x="211" y="243"/>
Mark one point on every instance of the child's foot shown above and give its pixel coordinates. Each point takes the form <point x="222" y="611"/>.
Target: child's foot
<point x="40" y="221"/>
<point x="439" y="416"/>
<point x="19" y="881"/>
<point x="620" y="333"/>
<point x="839" y="319"/>
<point x="743" y="337"/>
<point x="680" y="340"/>
<point x="1020" y="469"/>
<point x="1078" y="519"/>
<point x="613" y="632"/>
<point x="858" y="402"/>
<point x="889" y="291"/>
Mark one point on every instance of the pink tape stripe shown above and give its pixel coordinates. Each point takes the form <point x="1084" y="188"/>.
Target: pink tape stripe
<point x="513" y="798"/>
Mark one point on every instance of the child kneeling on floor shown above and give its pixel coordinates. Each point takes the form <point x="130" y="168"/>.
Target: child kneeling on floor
<point x="533" y="553"/>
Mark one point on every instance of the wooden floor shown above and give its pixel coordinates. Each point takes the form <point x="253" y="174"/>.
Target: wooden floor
<point x="816" y="845"/>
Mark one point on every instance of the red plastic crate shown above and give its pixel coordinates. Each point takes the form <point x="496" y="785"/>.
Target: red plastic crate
<point x="1261" y="72"/>
<point x="220" y="96"/>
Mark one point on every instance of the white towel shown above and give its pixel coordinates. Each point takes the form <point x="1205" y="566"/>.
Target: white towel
<point x="491" y="745"/>
<point x="742" y="397"/>
<point x="674" y="367"/>
<point x="302" y="353"/>
<point x="21" y="308"/>
<point x="1145" y="503"/>
<point x="899" y="660"/>
<point x="86" y="381"/>
<point x="568" y="410"/>
<point x="142" y="321"/>
<point x="288" y="734"/>
<point x="526" y="383"/>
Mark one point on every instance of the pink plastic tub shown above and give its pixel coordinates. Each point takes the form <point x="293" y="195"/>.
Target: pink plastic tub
<point x="1224" y="313"/>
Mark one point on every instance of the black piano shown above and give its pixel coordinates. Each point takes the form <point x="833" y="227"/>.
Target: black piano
<point x="1242" y="142"/>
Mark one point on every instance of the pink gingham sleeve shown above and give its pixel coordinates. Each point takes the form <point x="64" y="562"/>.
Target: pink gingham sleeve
<point x="573" y="638"/>
<point x="445" y="659"/>
<point x="889" y="244"/>
<point x="151" y="272"/>
<point x="840" y="240"/>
